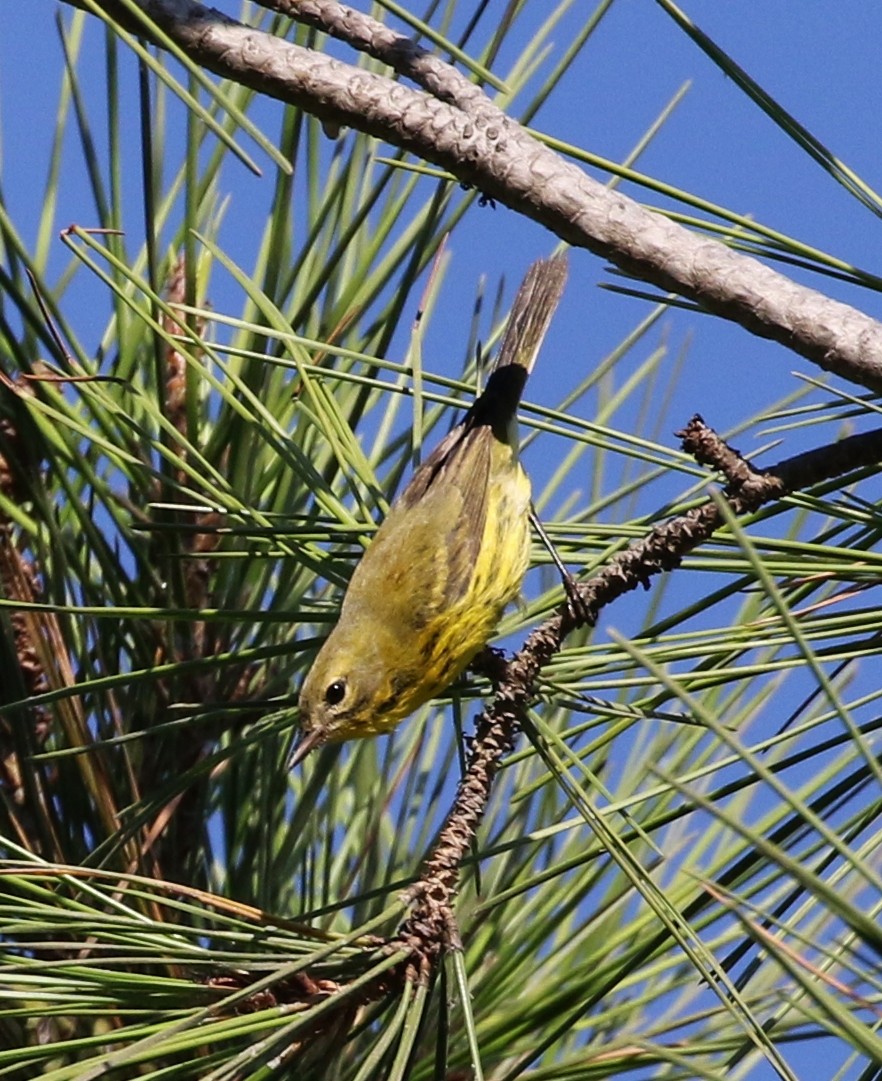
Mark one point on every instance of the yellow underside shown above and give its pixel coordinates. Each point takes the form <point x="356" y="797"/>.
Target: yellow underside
<point x="459" y="632"/>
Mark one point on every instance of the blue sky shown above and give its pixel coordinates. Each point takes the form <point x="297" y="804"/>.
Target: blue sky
<point x="820" y="60"/>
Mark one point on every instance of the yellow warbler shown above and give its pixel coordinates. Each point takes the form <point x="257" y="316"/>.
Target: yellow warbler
<point x="450" y="554"/>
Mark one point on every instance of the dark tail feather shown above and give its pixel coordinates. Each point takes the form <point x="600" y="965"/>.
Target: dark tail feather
<point x="531" y="314"/>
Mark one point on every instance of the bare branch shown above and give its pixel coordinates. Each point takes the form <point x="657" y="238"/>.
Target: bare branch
<point x="370" y="36"/>
<point x="479" y="145"/>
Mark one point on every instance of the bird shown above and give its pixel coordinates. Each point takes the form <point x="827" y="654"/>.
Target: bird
<point x="451" y="553"/>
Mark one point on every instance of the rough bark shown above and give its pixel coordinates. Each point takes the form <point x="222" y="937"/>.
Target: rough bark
<point x="455" y="125"/>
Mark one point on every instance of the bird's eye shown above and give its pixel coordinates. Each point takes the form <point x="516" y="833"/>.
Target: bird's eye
<point x="335" y="692"/>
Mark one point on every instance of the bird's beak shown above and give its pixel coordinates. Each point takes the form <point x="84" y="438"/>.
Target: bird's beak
<point x="304" y="744"/>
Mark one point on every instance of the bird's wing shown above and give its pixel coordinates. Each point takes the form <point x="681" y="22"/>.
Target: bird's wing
<point x="453" y="482"/>
<point x="425" y="551"/>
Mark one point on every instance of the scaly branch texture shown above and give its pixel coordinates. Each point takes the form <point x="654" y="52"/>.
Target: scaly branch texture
<point x="457" y="127"/>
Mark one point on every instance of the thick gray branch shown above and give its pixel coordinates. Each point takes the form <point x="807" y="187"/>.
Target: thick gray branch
<point x="479" y="145"/>
<point x="370" y="36"/>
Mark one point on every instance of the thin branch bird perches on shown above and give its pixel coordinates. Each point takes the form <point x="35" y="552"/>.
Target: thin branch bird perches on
<point x="430" y="926"/>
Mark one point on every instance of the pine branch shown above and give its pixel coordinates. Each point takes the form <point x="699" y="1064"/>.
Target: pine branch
<point x="466" y="134"/>
<point x="430" y="928"/>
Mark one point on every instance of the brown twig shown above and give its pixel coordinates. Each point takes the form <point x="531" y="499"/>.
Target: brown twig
<point x="426" y="932"/>
<point x="20" y="581"/>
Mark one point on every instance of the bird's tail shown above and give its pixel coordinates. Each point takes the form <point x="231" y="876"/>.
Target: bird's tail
<point x="531" y="313"/>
